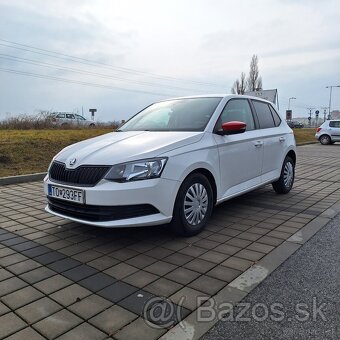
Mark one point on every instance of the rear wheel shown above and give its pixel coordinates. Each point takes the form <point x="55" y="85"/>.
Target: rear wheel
<point x="285" y="183"/>
<point x="193" y="206"/>
<point x="325" y="140"/>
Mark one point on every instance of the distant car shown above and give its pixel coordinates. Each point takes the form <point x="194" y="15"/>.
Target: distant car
<point x="172" y="163"/>
<point x="295" y="124"/>
<point x="65" y="118"/>
<point x="328" y="132"/>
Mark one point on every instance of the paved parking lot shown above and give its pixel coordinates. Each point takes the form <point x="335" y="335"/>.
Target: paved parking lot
<point x="63" y="279"/>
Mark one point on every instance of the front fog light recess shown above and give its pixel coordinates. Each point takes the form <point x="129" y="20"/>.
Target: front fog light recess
<point x="137" y="170"/>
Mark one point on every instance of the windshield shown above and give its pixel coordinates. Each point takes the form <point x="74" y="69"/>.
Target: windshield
<point x="190" y="114"/>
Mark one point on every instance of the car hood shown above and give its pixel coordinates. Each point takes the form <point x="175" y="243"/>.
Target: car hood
<point x="119" y="147"/>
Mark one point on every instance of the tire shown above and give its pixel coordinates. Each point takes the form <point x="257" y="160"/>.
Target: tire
<point x="285" y="183"/>
<point x="195" y="186"/>
<point x="92" y="125"/>
<point x="325" y="139"/>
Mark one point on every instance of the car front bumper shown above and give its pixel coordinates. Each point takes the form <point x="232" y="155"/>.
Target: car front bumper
<point x="159" y="194"/>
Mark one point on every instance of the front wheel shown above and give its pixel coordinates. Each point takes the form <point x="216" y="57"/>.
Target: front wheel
<point x="285" y="183"/>
<point x="193" y="206"/>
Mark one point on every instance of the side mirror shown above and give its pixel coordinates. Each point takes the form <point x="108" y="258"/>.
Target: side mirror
<point x="233" y="128"/>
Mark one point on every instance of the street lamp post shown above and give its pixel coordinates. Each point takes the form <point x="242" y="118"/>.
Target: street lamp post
<point x="289" y="102"/>
<point x="330" y="98"/>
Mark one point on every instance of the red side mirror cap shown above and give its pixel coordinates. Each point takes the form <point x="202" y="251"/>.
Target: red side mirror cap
<point x="234" y="127"/>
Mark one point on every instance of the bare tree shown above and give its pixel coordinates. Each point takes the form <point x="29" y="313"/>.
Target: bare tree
<point x="254" y="81"/>
<point x="239" y="86"/>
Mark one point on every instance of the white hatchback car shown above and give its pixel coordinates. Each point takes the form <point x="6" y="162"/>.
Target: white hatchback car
<point x="172" y="162"/>
<point x="328" y="132"/>
<point x="70" y="119"/>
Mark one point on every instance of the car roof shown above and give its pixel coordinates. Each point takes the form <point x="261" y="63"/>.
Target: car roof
<point x="219" y="95"/>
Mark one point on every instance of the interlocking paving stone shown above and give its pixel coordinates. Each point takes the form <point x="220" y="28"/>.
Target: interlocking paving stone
<point x="90" y="306"/>
<point x="5" y="274"/>
<point x="163" y="287"/>
<point x="182" y="275"/>
<point x="249" y="254"/>
<point x="112" y="319"/>
<point x="64" y="265"/>
<point x="50" y="257"/>
<point x="22" y="297"/>
<point x="38" y="310"/>
<point x="208" y="285"/>
<point x="27" y="333"/>
<point x="140" y="278"/>
<point x="188" y="297"/>
<point x="135" y="303"/>
<point x="37" y="275"/>
<point x="36" y="251"/>
<point x="13" y="241"/>
<point x="11" y="259"/>
<point x="10" y="323"/>
<point x="57" y="324"/>
<point x="138" y="330"/>
<point x="24" y="266"/>
<point x="3" y="309"/>
<point x="117" y="291"/>
<point x="97" y="282"/>
<point x="199" y="265"/>
<point x="53" y="284"/>
<point x="224" y="273"/>
<point x="237" y="263"/>
<point x="80" y="272"/>
<point x="82" y="332"/>
<point x="10" y="285"/>
<point x="70" y="294"/>
<point x="121" y="270"/>
<point x="160" y="268"/>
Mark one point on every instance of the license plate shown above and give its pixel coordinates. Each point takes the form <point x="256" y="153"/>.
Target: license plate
<point x="66" y="194"/>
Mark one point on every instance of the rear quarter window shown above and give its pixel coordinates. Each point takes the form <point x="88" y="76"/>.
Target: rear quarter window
<point x="334" y="124"/>
<point x="264" y="114"/>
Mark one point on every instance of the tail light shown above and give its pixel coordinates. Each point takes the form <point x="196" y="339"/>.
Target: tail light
<point x="318" y="129"/>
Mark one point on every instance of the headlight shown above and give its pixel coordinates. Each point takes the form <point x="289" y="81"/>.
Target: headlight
<point x="137" y="170"/>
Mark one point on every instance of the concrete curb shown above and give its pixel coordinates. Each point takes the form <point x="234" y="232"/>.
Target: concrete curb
<point x="191" y="329"/>
<point x="307" y="143"/>
<point x="22" y="178"/>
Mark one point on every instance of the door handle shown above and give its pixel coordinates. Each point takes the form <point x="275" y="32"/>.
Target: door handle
<point x="258" y="144"/>
<point x="282" y="139"/>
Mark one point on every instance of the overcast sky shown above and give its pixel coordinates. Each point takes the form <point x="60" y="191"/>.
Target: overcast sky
<point x="158" y="49"/>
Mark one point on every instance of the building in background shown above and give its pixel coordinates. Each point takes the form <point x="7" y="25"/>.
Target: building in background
<point x="335" y="114"/>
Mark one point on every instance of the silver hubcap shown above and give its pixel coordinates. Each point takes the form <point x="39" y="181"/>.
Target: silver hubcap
<point x="288" y="174"/>
<point x="195" y="204"/>
<point x="324" y="140"/>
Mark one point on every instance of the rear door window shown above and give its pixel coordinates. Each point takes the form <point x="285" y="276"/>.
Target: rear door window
<point x="61" y="115"/>
<point x="264" y="114"/>
<point x="69" y="116"/>
<point x="277" y="119"/>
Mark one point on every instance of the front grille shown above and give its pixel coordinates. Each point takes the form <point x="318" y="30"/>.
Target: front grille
<point x="100" y="213"/>
<point x="84" y="175"/>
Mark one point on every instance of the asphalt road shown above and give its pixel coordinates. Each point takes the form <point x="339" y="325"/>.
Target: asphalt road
<point x="311" y="278"/>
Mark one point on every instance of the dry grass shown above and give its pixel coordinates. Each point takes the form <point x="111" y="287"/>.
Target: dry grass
<point x="304" y="135"/>
<point x="30" y="151"/>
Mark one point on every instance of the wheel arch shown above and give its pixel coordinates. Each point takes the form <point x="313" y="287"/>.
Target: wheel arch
<point x="210" y="178"/>
<point x="292" y="155"/>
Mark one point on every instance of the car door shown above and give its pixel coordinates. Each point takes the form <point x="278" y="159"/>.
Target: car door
<point x="70" y="118"/>
<point x="334" y="129"/>
<point x="274" y="138"/>
<point x="240" y="154"/>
